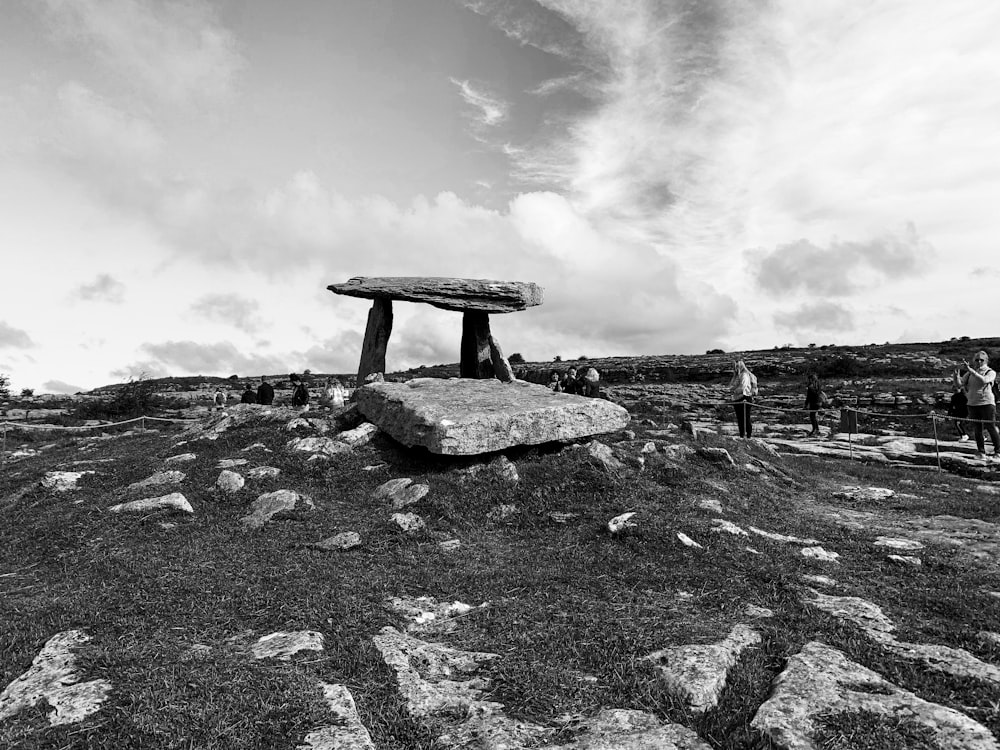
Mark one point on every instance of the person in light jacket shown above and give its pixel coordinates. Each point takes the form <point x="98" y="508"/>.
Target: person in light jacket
<point x="977" y="381"/>
<point x="743" y="388"/>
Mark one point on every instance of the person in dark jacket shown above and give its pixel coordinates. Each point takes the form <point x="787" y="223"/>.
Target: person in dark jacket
<point x="300" y="396"/>
<point x="958" y="410"/>
<point x="265" y="393"/>
<point x="814" y="400"/>
<point x="248" y="397"/>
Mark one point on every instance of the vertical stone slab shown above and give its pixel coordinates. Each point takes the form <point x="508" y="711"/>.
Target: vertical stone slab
<point x="501" y="367"/>
<point x="376" y="338"/>
<point x="475" y="355"/>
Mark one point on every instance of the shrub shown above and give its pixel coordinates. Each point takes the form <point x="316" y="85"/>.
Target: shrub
<point x="516" y="358"/>
<point x="719" y="351"/>
<point x="133" y="399"/>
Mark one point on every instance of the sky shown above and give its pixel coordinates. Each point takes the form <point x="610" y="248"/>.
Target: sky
<point x="180" y="181"/>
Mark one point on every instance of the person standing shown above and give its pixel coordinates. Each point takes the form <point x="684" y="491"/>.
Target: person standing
<point x="958" y="410"/>
<point x="814" y="400"/>
<point x="300" y="396"/>
<point x="977" y="381"/>
<point x="219" y="399"/>
<point x="265" y="393"/>
<point x="743" y="388"/>
<point x="248" y="397"/>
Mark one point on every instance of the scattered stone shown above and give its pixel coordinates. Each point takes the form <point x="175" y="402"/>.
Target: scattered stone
<point x="408" y="522"/>
<point x="720" y="455"/>
<point x="688" y="541"/>
<point x="501" y="467"/>
<point x="167" y="525"/>
<point x="818" y="553"/>
<point x="466" y="416"/>
<point x="53" y="678"/>
<point x="256" y="446"/>
<point x="629" y="435"/>
<point x="401" y="492"/>
<point x="867" y="616"/>
<point x="781" y="537"/>
<point x="386" y="489"/>
<point x="678" y="452"/>
<point x="620" y="523"/>
<point x="264" y="472"/>
<point x="561" y="516"/>
<point x="159" y="478"/>
<point x="502" y="512"/>
<point x="988" y="636"/>
<point x="450" y="545"/>
<point x="342" y="541"/>
<point x="604" y="457"/>
<point x="270" y="503"/>
<point x="323" y="446"/>
<point x="752" y="550"/>
<point x="752" y="610"/>
<point x="710" y="504"/>
<point x="820" y="680"/>
<point x="864" y="494"/>
<point x="231" y="463"/>
<point x="898" y="543"/>
<point x="697" y="673"/>
<point x="648" y="447"/>
<point x="988" y="489"/>
<point x="285" y="644"/>
<point x="173" y="501"/>
<point x="348" y="733"/>
<point x="360" y="435"/>
<point x="229" y="482"/>
<point x="722" y="525"/>
<point x="953" y="661"/>
<point x="905" y="560"/>
<point x="427" y="615"/>
<point x="180" y="458"/>
<point x="62" y="481"/>
<point x="299" y="423"/>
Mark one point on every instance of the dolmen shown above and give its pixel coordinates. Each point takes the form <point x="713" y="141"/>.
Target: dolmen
<point x="485" y="409"/>
<point x="481" y="355"/>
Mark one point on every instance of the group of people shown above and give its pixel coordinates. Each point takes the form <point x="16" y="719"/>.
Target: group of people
<point x="974" y="400"/>
<point x="334" y="394"/>
<point x="582" y="383"/>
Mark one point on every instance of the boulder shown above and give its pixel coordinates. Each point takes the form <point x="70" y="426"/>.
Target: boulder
<point x="270" y="503"/>
<point x="229" y="482"/>
<point x="62" y="481"/>
<point x="173" y="501"/>
<point x="464" y="416"/>
<point x="343" y="540"/>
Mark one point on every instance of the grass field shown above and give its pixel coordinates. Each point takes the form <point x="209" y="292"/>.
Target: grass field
<point x="572" y="609"/>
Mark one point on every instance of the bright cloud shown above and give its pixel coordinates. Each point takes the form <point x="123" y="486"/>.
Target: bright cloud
<point x="489" y="109"/>
<point x="240" y="312"/>
<point x="173" y="51"/>
<point x="104" y="288"/>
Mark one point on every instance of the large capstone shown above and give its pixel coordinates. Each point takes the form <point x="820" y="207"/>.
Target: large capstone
<point x="465" y="416"/>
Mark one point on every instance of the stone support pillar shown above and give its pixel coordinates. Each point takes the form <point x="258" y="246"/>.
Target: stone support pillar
<point x="475" y="351"/>
<point x="376" y="338"/>
<point x="501" y="367"/>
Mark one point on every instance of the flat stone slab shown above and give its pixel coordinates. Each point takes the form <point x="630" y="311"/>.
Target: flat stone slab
<point x="465" y="416"/>
<point x="483" y="295"/>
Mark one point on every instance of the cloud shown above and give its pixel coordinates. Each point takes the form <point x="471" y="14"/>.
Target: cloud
<point x="826" y="317"/>
<point x="14" y="338"/>
<point x="533" y="25"/>
<point x="104" y="288"/>
<point x="488" y="109"/>
<point x="58" y="386"/>
<point x="239" y="312"/>
<point x="843" y="267"/>
<point x="220" y="358"/>
<point x="90" y="126"/>
<point x="177" y="51"/>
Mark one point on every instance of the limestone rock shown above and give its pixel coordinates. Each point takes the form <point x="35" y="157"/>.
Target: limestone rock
<point x="53" y="678"/>
<point x="819" y="580"/>
<point x="159" y="478"/>
<point x="604" y="457"/>
<point x="173" y="501"/>
<point x="264" y="472"/>
<point x="427" y="615"/>
<point x="561" y="516"/>
<point x="722" y="525"/>
<point x="688" y="541"/>
<point x="898" y="543"/>
<point x="464" y="416"/>
<point x="408" y="522"/>
<point x="867" y="616"/>
<point x="285" y="644"/>
<point x="401" y="492"/>
<point x="775" y="537"/>
<point x="865" y="494"/>
<point x="270" y="503"/>
<point x="501" y="467"/>
<point x="62" y="481"/>
<point x="905" y="560"/>
<point x="360" y="435"/>
<point x="620" y="523"/>
<point x="348" y="733"/>
<point x="821" y="680"/>
<point x="342" y="541"/>
<point x="450" y="545"/>
<point x="231" y="463"/>
<point x="484" y="295"/>
<point x="710" y="504"/>
<point x="627" y="729"/>
<point x="697" y="673"/>
<point x="180" y="458"/>
<point x="818" y="553"/>
<point x="325" y="446"/>
<point x="229" y="482"/>
<point x="502" y="512"/>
